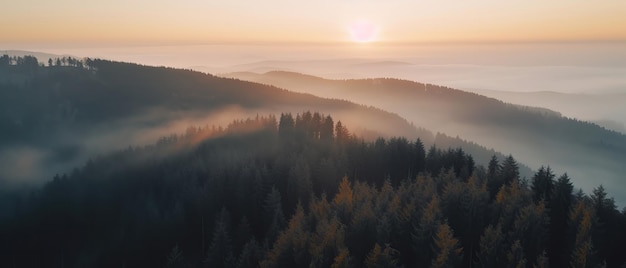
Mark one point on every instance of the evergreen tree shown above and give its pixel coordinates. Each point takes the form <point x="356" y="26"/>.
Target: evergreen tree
<point x="286" y="125"/>
<point x="560" y="207"/>
<point x="250" y="256"/>
<point x="243" y="233"/>
<point x="380" y="258"/>
<point x="510" y="170"/>
<point x="327" y="243"/>
<point x="175" y="258"/>
<point x="494" y="180"/>
<point x="291" y="248"/>
<point x="220" y="253"/>
<point x="581" y="218"/>
<point x="420" y="157"/>
<point x="543" y="185"/>
<point x="341" y="133"/>
<point x="515" y="256"/>
<point x="326" y="131"/>
<point x="424" y="231"/>
<point x="491" y="243"/>
<point x="274" y="216"/>
<point x="448" y="252"/>
<point x="344" y="200"/>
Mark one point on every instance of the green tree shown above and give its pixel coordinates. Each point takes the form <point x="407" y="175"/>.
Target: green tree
<point x="494" y="181"/>
<point x="341" y="133"/>
<point x="250" y="256"/>
<point x="543" y="185"/>
<point x="326" y="131"/>
<point x="419" y="164"/>
<point x="510" y="170"/>
<point x="175" y="258"/>
<point x="560" y="206"/>
<point x="274" y="216"/>
<point x="286" y="125"/>
<point x="220" y="253"/>
<point x="424" y="231"/>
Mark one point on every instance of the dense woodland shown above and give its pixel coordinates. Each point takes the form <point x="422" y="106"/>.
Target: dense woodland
<point x="535" y="135"/>
<point x="302" y="191"/>
<point x="64" y="110"/>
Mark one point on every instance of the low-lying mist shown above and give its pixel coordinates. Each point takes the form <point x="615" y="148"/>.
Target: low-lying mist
<point x="537" y="137"/>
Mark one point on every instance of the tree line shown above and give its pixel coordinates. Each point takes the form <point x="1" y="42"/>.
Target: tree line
<point x="303" y="191"/>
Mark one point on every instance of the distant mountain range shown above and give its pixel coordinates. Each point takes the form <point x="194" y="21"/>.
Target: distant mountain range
<point x="56" y="117"/>
<point x="605" y="109"/>
<point x="537" y="136"/>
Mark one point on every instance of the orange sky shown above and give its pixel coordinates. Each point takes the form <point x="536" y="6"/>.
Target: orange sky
<point x="321" y="21"/>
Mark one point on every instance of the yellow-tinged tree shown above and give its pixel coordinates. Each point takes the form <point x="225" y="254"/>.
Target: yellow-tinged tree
<point x="291" y="246"/>
<point x="447" y="249"/>
<point x="581" y="217"/>
<point x="344" y="200"/>
<point x="381" y="258"/>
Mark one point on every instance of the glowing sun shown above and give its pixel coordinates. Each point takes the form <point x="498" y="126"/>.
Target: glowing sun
<point x="363" y="31"/>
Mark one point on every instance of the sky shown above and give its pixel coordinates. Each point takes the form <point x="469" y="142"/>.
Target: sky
<point x="167" y="22"/>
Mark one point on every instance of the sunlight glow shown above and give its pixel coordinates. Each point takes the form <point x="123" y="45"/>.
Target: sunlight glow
<point x="363" y="32"/>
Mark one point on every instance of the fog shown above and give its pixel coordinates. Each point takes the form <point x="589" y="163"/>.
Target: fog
<point x="33" y="164"/>
<point x="534" y="137"/>
<point x="591" y="67"/>
<point x="512" y="72"/>
<point x="27" y="165"/>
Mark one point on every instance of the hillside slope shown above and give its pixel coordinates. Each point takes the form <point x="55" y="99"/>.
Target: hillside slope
<point x="55" y="117"/>
<point x="536" y="136"/>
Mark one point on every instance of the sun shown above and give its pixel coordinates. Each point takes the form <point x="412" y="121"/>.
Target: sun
<point x="363" y="32"/>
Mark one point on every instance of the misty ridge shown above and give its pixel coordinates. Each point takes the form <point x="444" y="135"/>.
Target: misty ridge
<point x="108" y="163"/>
<point x="57" y="116"/>
<point x="536" y="136"/>
<point x="302" y="190"/>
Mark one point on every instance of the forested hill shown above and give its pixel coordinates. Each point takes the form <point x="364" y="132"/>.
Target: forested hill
<point x="535" y="135"/>
<point x="36" y="99"/>
<point x="54" y="117"/>
<point x="290" y="192"/>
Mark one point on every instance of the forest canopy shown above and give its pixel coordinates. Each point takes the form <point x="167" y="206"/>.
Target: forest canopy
<point x="303" y="191"/>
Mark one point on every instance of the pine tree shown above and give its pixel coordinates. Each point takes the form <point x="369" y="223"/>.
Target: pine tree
<point x="291" y="246"/>
<point x="175" y="258"/>
<point x="243" y="233"/>
<point x="274" y="215"/>
<point x="510" y="170"/>
<point x="494" y="181"/>
<point x="424" y="231"/>
<point x="515" y="256"/>
<point x="542" y="261"/>
<point x="560" y="207"/>
<point x="250" y="256"/>
<point x="381" y="258"/>
<point x="326" y="131"/>
<point x="220" y="253"/>
<point x="420" y="157"/>
<point x="344" y="200"/>
<point x="543" y="185"/>
<point x="341" y="133"/>
<point x="448" y="252"/>
<point x="286" y="125"/>
<point x="491" y="243"/>
<point x="327" y="243"/>
<point x="582" y="219"/>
